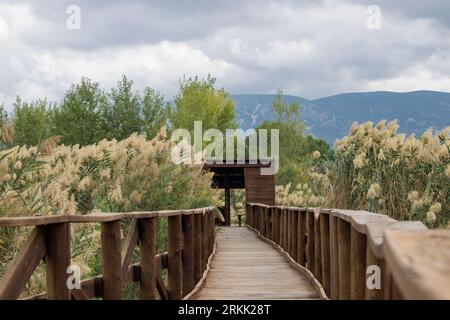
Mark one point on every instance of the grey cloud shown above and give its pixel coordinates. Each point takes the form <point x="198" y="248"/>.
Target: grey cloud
<point x="308" y="48"/>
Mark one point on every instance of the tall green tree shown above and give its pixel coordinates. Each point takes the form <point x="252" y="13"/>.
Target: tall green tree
<point x="31" y="122"/>
<point x="154" y="112"/>
<point x="128" y="112"/>
<point x="123" y="115"/>
<point x="88" y="113"/>
<point x="199" y="100"/>
<point x="295" y="146"/>
<point x="79" y="117"/>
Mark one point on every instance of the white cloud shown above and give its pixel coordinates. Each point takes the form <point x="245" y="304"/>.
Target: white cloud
<point x="50" y="73"/>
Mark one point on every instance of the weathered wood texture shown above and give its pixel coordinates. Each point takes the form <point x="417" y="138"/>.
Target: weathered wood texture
<point x="147" y="245"/>
<point x="362" y="255"/>
<point x="419" y="262"/>
<point x="49" y="242"/>
<point x="57" y="259"/>
<point x="175" y="270"/>
<point x="188" y="254"/>
<point x="111" y="261"/>
<point x="259" y="188"/>
<point x="245" y="267"/>
<point x="23" y="265"/>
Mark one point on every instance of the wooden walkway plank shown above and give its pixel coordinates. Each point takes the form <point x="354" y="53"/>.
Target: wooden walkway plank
<point x="245" y="267"/>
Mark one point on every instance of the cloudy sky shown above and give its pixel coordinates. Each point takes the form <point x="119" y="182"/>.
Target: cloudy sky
<point x="307" y="48"/>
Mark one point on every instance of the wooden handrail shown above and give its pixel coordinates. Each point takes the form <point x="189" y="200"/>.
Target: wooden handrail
<point x="94" y="217"/>
<point x="344" y="249"/>
<point x="185" y="259"/>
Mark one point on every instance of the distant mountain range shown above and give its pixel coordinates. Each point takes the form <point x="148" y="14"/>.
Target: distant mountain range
<point x="330" y="118"/>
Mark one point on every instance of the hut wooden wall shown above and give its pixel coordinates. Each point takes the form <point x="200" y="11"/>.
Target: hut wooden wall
<point x="258" y="188"/>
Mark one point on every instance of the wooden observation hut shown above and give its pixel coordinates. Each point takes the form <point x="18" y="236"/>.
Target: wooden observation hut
<point x="258" y="188"/>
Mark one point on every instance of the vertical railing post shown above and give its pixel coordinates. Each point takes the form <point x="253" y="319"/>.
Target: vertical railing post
<point x="188" y="253"/>
<point x="268" y="223"/>
<point x="317" y="246"/>
<point x="209" y="230"/>
<point x="334" y="257"/>
<point x="214" y="228"/>
<point x="247" y="214"/>
<point x="252" y="216"/>
<point x="282" y="225"/>
<point x="256" y="211"/>
<point x="373" y="260"/>
<point x="174" y="272"/>
<point x="294" y="252"/>
<point x="301" y="255"/>
<point x="273" y="216"/>
<point x="57" y="259"/>
<point x="285" y="229"/>
<point x="289" y="232"/>
<point x="198" y="270"/>
<point x="213" y="231"/>
<point x="344" y="259"/>
<point x="204" y="227"/>
<point x="358" y="265"/>
<point x="147" y="255"/>
<point x="310" y="249"/>
<point x="325" y="243"/>
<point x="276" y="212"/>
<point x="111" y="261"/>
<point x="260" y="219"/>
<point x="262" y="213"/>
<point x="255" y="217"/>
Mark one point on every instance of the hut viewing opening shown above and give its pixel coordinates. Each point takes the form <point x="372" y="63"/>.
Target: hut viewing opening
<point x="258" y="188"/>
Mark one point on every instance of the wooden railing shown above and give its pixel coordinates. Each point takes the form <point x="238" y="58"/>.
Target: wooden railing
<point x="190" y="243"/>
<point x="357" y="254"/>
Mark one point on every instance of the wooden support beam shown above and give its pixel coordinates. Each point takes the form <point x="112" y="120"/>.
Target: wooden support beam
<point x="227" y="207"/>
<point x="325" y="251"/>
<point x="162" y="290"/>
<point x="268" y="223"/>
<point x="174" y="274"/>
<point x="111" y="261"/>
<point x="289" y="232"/>
<point x="198" y="270"/>
<point x="344" y="259"/>
<point x="294" y="253"/>
<point x="57" y="260"/>
<point x="23" y="265"/>
<point x="310" y="248"/>
<point x="273" y="231"/>
<point x="188" y="253"/>
<point x="128" y="247"/>
<point x="334" y="258"/>
<point x="301" y="255"/>
<point x="373" y="261"/>
<point x="147" y="246"/>
<point x="358" y="265"/>
<point x="204" y="231"/>
<point x="285" y="229"/>
<point x="212" y="229"/>
<point x="79" y="295"/>
<point x="317" y="246"/>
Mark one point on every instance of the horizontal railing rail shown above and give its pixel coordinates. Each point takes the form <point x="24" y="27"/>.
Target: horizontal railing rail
<point x="190" y="243"/>
<point x="357" y="254"/>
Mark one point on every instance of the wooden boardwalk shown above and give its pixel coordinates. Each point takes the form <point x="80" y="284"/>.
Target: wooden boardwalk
<point x="245" y="267"/>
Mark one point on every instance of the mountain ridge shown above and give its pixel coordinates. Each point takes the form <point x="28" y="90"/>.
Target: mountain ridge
<point x="329" y="118"/>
